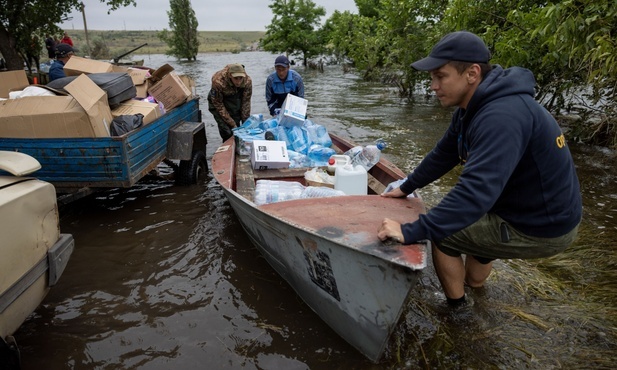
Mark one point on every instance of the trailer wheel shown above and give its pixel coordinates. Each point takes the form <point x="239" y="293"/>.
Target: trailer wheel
<point x="9" y="354"/>
<point x="193" y="171"/>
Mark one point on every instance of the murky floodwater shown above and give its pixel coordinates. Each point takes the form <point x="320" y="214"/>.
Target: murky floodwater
<point x="163" y="277"/>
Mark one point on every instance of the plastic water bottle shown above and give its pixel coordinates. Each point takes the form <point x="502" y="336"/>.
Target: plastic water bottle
<point x="351" y="153"/>
<point x="320" y="192"/>
<point x="267" y="191"/>
<point x="298" y="160"/>
<point x="320" y="154"/>
<point x="298" y="139"/>
<point x="269" y="123"/>
<point x="318" y="133"/>
<point x="253" y="121"/>
<point x="369" y="156"/>
<point x="280" y="135"/>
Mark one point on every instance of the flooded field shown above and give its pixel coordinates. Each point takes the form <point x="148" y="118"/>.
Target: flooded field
<point x="164" y="277"/>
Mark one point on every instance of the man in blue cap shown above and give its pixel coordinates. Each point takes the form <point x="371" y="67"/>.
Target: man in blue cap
<point x="63" y="54"/>
<point x="281" y="82"/>
<point x="518" y="195"/>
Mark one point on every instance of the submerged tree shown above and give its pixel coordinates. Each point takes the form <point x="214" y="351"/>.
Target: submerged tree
<point x="295" y="29"/>
<point x="182" y="38"/>
<point x="20" y="21"/>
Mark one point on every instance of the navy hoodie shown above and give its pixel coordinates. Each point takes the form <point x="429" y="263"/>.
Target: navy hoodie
<point x="516" y="165"/>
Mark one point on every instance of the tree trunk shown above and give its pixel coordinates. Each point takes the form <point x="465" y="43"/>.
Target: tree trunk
<point x="9" y="52"/>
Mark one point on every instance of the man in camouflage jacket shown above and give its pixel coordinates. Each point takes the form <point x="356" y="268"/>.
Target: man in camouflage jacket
<point x="229" y="99"/>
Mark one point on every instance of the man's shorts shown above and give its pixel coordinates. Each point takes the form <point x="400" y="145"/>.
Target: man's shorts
<point x="493" y="238"/>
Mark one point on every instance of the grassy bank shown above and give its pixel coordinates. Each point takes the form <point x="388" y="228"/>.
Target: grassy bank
<point x="120" y="42"/>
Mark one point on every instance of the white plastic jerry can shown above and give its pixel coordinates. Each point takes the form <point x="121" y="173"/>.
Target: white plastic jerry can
<point x="336" y="161"/>
<point x="351" y="180"/>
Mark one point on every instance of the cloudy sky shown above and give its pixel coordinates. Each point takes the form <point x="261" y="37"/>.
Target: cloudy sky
<point x="212" y="15"/>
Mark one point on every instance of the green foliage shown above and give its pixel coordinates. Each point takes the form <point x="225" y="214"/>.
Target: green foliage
<point x="20" y="21"/>
<point x="294" y="29"/>
<point x="100" y="50"/>
<point x="569" y="45"/>
<point x="182" y="40"/>
<point x="385" y="37"/>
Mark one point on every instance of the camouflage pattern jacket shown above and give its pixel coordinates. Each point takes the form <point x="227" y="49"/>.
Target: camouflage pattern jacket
<point x="224" y="96"/>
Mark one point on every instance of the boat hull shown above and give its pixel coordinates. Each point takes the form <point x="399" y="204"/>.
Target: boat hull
<point x="359" y="295"/>
<point x="328" y="251"/>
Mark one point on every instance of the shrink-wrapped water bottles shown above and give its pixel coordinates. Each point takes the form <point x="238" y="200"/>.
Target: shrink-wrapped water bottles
<point x="320" y="192"/>
<point x="298" y="139"/>
<point x="369" y="156"/>
<point x="318" y="134"/>
<point x="253" y="121"/>
<point x="267" y="191"/>
<point x="320" y="155"/>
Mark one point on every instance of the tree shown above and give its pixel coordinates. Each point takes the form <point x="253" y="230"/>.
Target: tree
<point x="182" y="39"/>
<point x="21" y="20"/>
<point x="295" y="29"/>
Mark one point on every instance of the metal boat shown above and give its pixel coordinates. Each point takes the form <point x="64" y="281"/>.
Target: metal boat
<point x="327" y="249"/>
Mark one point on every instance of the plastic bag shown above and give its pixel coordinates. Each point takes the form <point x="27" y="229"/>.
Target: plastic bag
<point x="126" y="123"/>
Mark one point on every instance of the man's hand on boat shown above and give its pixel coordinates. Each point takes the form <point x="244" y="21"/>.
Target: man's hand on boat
<point x="390" y="229"/>
<point x="394" y="193"/>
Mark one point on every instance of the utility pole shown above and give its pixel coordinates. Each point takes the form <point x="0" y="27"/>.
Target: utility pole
<point x="83" y="12"/>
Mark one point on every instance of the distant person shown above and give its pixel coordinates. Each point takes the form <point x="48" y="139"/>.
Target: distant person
<point x="63" y="54"/>
<point x="282" y="82"/>
<point x="229" y="99"/>
<point x="33" y="55"/>
<point x="66" y="39"/>
<point x="517" y="196"/>
<point x="50" y="45"/>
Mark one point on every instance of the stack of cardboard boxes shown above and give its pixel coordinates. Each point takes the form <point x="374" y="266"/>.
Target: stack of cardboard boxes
<point x="84" y="111"/>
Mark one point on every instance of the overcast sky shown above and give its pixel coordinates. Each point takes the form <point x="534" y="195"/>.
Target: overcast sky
<point x="212" y="15"/>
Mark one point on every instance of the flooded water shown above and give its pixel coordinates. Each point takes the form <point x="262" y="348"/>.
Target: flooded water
<point x="164" y="277"/>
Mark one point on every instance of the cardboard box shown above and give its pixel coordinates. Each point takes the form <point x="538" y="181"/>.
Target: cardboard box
<point x="84" y="114"/>
<point x="44" y="117"/>
<point x="267" y="154"/>
<point x="94" y="101"/>
<point x="293" y="111"/>
<point x="151" y="111"/>
<point x="78" y="65"/>
<point x="170" y="91"/>
<point x="189" y="83"/>
<point x="12" y="81"/>
<point x="142" y="89"/>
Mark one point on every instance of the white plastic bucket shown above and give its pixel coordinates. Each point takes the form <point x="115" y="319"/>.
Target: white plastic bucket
<point x="351" y="180"/>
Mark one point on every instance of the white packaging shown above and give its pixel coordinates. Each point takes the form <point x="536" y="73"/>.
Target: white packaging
<point x="266" y="154"/>
<point x="293" y="111"/>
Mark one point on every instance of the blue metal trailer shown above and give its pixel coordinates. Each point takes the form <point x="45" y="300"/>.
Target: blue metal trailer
<point x="81" y="165"/>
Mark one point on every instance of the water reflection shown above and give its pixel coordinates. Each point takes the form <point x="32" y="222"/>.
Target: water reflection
<point x="164" y="276"/>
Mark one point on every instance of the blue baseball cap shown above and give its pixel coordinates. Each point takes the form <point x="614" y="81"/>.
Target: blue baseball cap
<point x="460" y="46"/>
<point x="281" y="60"/>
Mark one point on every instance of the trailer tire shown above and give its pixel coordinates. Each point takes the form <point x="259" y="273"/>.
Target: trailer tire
<point x="192" y="171"/>
<point x="9" y="354"/>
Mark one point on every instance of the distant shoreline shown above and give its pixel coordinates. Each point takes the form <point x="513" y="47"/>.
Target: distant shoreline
<point x="119" y="42"/>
